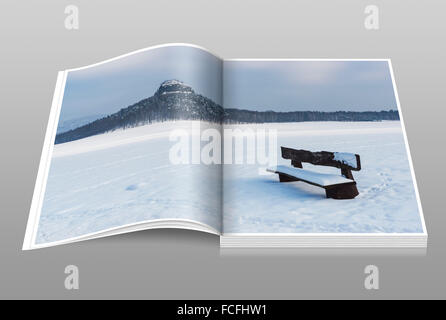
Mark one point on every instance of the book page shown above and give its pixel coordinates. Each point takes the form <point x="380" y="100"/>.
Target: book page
<point x="125" y="147"/>
<point x="316" y="147"/>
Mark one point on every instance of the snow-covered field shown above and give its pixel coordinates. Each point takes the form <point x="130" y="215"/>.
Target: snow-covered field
<point x="125" y="177"/>
<point x="386" y="203"/>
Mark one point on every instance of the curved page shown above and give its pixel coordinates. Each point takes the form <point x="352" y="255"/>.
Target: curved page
<point x="124" y="148"/>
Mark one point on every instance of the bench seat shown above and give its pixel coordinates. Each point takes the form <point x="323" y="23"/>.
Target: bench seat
<point x="319" y="179"/>
<point x="341" y="186"/>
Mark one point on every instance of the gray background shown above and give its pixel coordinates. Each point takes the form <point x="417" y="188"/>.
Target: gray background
<point x="181" y="264"/>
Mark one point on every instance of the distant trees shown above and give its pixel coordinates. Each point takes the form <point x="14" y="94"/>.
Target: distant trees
<point x="176" y="101"/>
<point x="163" y="106"/>
<point x="248" y="116"/>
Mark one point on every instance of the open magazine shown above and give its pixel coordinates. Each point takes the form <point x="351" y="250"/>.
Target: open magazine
<point x="261" y="152"/>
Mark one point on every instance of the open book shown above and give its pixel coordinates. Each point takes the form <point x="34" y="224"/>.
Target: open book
<point x="261" y="152"/>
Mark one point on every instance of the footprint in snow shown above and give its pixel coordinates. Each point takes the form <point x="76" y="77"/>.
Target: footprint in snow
<point x="134" y="186"/>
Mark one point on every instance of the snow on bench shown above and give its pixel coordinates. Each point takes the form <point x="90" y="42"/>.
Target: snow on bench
<point x="346" y="158"/>
<point x="341" y="186"/>
<point x="319" y="179"/>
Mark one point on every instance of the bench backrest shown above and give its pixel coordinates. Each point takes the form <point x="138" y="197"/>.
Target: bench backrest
<point x="342" y="160"/>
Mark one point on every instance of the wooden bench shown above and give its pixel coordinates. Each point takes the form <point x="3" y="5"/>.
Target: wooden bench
<point x="341" y="186"/>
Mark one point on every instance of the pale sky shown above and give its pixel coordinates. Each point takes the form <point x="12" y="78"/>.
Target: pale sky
<point x="253" y="85"/>
<point x="308" y="85"/>
<point x="112" y="86"/>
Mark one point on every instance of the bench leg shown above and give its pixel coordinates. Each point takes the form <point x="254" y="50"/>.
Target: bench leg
<point x="346" y="172"/>
<point x="285" y="178"/>
<point x="296" y="164"/>
<point x="342" y="191"/>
